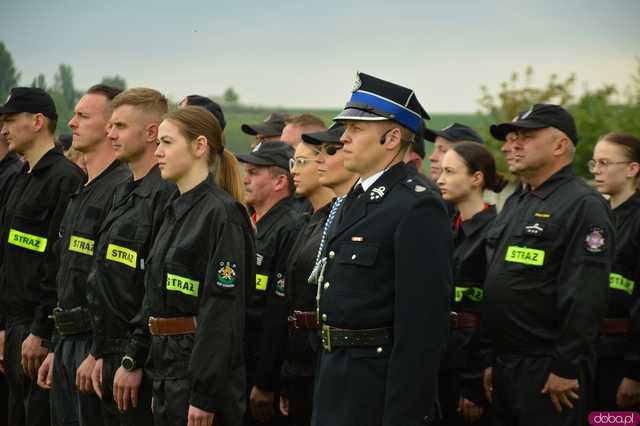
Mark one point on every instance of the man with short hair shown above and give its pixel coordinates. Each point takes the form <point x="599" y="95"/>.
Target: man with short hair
<point x="269" y="130"/>
<point x="268" y="192"/>
<point x="30" y="229"/>
<point x="443" y="139"/>
<point x="116" y="284"/>
<point x="550" y="254"/>
<point x="382" y="304"/>
<point x="296" y="125"/>
<point x="67" y="371"/>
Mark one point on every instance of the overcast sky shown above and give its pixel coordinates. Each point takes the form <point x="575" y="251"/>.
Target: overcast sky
<point x="300" y="53"/>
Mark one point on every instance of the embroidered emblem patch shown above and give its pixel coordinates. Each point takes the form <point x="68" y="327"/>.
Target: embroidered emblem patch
<point x="534" y="229"/>
<point x="280" y="285"/>
<point x="595" y="241"/>
<point x="377" y="193"/>
<point x="227" y="274"/>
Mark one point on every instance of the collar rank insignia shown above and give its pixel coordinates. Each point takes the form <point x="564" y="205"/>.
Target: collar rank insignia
<point x="227" y="274"/>
<point x="595" y="241"/>
<point x="377" y="193"/>
<point x="419" y="188"/>
<point x="534" y="229"/>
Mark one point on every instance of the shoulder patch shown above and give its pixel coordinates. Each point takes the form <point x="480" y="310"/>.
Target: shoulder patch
<point x="227" y="274"/>
<point x="280" y="285"/>
<point x="595" y="240"/>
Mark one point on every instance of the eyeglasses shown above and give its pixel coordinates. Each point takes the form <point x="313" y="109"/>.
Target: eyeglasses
<point x="331" y="148"/>
<point x="300" y="162"/>
<point x="603" y="164"/>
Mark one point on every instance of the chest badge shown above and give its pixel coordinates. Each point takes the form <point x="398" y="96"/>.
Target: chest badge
<point x="377" y="193"/>
<point x="535" y="229"/>
<point x="595" y="241"/>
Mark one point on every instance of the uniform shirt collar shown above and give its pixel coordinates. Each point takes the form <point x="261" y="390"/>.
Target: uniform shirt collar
<point x="48" y="159"/>
<point x="183" y="202"/>
<point x="478" y="221"/>
<point x="368" y="182"/>
<point x="553" y="183"/>
<point x="273" y="215"/>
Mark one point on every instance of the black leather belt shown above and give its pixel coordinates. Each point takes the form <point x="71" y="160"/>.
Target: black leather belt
<point x="333" y="337"/>
<point x="71" y="321"/>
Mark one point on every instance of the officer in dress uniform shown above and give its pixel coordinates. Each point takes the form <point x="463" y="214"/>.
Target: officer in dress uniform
<point x="378" y="295"/>
<point x="550" y="254"/>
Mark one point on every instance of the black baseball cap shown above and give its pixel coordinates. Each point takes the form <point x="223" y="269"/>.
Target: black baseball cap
<point x="332" y="135"/>
<point x="270" y="153"/>
<point x="29" y="99"/>
<point x="455" y="132"/>
<point x="209" y="105"/>
<point x="539" y="116"/>
<point x="271" y="126"/>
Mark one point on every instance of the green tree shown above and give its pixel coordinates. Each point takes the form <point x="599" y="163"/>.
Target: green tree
<point x="39" y="82"/>
<point x="230" y="96"/>
<point x="115" y="81"/>
<point x="63" y="83"/>
<point x="9" y="76"/>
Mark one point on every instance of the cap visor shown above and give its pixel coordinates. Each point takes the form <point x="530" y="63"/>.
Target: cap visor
<point x="318" y="138"/>
<point x="500" y="131"/>
<point x="8" y="110"/>
<point x="260" y="129"/>
<point x="431" y="135"/>
<point x="358" y="115"/>
<point x="252" y="159"/>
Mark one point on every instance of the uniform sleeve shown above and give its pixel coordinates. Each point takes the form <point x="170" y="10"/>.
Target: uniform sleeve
<point x="41" y="325"/>
<point x="423" y="277"/>
<point x="632" y="353"/>
<point x="582" y="285"/>
<point x="217" y="352"/>
<point x="274" y="332"/>
<point x="140" y="340"/>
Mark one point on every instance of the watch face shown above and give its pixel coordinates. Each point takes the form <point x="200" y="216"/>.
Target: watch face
<point x="128" y="363"/>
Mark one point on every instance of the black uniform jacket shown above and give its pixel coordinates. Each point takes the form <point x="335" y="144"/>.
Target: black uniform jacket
<point x="303" y="344"/>
<point x="116" y="283"/>
<point x="550" y="257"/>
<point x="201" y="264"/>
<point x="10" y="165"/>
<point x="85" y="212"/>
<point x="624" y="295"/>
<point x="266" y="320"/>
<point x="389" y="265"/>
<point x="30" y="228"/>
<point x="466" y="352"/>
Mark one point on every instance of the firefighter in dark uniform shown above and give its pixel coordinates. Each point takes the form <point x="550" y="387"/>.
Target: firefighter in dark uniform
<point x="30" y="224"/>
<point x="550" y="256"/>
<point x="387" y="273"/>
<point x="415" y="160"/>
<point x="116" y="283"/>
<point x="198" y="270"/>
<point x="616" y="171"/>
<point x="68" y="373"/>
<point x="267" y="184"/>
<point x="467" y="169"/>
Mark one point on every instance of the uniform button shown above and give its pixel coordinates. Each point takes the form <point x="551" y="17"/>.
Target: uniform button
<point x="379" y="350"/>
<point x="324" y="317"/>
<point x="326" y="285"/>
<point x="353" y="257"/>
<point x="332" y="254"/>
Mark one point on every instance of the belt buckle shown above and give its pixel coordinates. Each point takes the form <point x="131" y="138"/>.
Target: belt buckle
<point x="149" y="323"/>
<point x="326" y="337"/>
<point x="453" y="319"/>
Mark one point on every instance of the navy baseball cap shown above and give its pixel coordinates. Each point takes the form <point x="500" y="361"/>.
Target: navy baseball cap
<point x="29" y="99"/>
<point x="270" y="153"/>
<point x="271" y="126"/>
<point x="211" y="106"/>
<point x="539" y="116"/>
<point x="331" y="135"/>
<point x="374" y="99"/>
<point x="455" y="132"/>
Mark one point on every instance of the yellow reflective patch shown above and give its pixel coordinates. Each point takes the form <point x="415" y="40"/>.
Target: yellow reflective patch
<point x="81" y="245"/>
<point x="261" y="282"/>
<point x="27" y="241"/>
<point x="618" y="282"/>
<point x="475" y="294"/>
<point x="184" y="285"/>
<point x="525" y="255"/>
<point x="123" y="255"/>
<point x="542" y="215"/>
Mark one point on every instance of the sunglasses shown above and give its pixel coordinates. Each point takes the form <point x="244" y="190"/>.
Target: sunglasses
<point x="331" y="148"/>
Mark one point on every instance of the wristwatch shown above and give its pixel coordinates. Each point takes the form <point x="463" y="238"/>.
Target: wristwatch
<point x="128" y="363"/>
